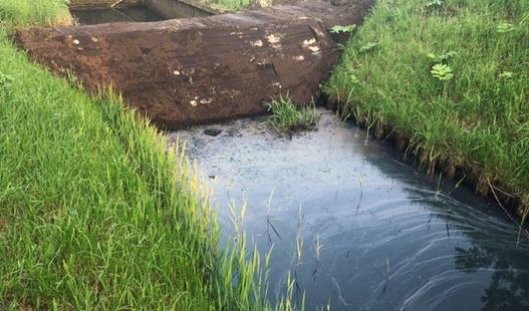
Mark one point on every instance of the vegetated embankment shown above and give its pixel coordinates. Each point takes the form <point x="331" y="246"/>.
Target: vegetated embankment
<point x="190" y="71"/>
<point x="94" y="214"/>
<point x="449" y="80"/>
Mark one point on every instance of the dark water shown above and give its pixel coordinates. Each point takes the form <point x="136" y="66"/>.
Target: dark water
<point x="389" y="238"/>
<point x="118" y="14"/>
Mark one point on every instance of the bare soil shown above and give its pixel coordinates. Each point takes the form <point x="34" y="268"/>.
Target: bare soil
<point x="199" y="70"/>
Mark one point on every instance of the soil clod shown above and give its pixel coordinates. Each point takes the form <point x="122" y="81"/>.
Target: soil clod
<point x="212" y="132"/>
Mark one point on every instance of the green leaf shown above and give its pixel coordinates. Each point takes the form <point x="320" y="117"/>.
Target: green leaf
<point x="442" y="58"/>
<point x="368" y="47"/>
<point x="442" y="72"/>
<point x="354" y="79"/>
<point x="506" y="75"/>
<point x="434" y="3"/>
<point x="340" y="28"/>
<point x="505" y="27"/>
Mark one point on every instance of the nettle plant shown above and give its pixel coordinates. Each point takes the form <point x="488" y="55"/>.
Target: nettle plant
<point x="442" y="58"/>
<point x="442" y="72"/>
<point x="440" y="69"/>
<point x="434" y="3"/>
<point x="338" y="29"/>
<point x="505" y="27"/>
<point x="343" y="29"/>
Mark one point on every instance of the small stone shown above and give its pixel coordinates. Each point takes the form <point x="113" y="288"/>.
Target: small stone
<point x="212" y="132"/>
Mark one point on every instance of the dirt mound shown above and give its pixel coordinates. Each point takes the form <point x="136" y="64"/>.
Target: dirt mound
<point x="198" y="70"/>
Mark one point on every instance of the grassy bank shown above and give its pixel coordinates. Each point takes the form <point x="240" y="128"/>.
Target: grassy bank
<point x="91" y="215"/>
<point x="452" y="75"/>
<point x="37" y="12"/>
<point x="94" y="214"/>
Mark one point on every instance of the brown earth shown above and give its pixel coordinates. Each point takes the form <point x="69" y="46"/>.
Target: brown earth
<point x="190" y="71"/>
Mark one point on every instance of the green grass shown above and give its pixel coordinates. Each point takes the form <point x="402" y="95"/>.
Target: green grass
<point x="229" y="5"/>
<point x="453" y="76"/>
<point x="288" y="117"/>
<point x="95" y="214"/>
<point x="41" y="12"/>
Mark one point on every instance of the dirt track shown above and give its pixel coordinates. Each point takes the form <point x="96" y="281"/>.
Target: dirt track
<point x="198" y="70"/>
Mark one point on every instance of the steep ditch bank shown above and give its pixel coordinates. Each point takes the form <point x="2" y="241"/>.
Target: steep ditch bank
<point x="191" y="71"/>
<point x="470" y="120"/>
<point x="77" y="172"/>
<point x="434" y="165"/>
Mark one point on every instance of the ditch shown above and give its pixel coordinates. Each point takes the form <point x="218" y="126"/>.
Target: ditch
<point x="355" y="226"/>
<point x="145" y="11"/>
<point x="93" y="16"/>
<point x="375" y="233"/>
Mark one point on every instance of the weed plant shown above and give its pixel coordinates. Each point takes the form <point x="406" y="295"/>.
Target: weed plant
<point x="289" y="117"/>
<point x="451" y="74"/>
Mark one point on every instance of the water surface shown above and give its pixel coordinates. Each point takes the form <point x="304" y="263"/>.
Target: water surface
<point x="389" y="238"/>
<point x="139" y="13"/>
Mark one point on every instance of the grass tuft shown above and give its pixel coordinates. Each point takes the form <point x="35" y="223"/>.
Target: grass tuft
<point x="289" y="117"/>
<point x="36" y="12"/>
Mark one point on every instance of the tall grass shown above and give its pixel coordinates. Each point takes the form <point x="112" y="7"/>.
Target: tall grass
<point x="96" y="215"/>
<point x="454" y="76"/>
<point x="288" y="117"/>
<point x="41" y="12"/>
